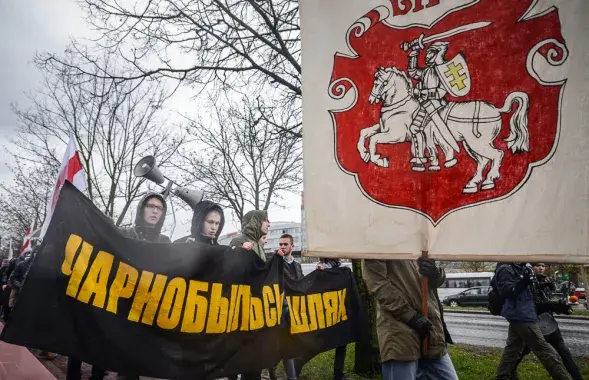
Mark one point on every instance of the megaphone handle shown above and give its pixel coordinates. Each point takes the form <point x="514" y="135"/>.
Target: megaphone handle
<point x="168" y="189"/>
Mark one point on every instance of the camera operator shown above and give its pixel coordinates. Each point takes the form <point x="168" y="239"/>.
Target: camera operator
<point x="545" y="307"/>
<point x="515" y="283"/>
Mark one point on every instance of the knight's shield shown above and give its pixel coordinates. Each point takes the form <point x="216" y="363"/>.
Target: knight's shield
<point x="455" y="76"/>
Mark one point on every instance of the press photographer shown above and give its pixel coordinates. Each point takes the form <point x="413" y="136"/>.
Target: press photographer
<point x="516" y="284"/>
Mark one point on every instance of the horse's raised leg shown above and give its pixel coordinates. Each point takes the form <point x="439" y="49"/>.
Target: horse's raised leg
<point x="472" y="186"/>
<point x="375" y="157"/>
<point x="382" y="138"/>
<point x="364" y="134"/>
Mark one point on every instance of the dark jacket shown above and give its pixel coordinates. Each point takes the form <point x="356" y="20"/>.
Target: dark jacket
<point x="293" y="270"/>
<point x="17" y="277"/>
<point x="251" y="231"/>
<point x="545" y="284"/>
<point x="519" y="300"/>
<point x="201" y="210"/>
<point x="3" y="270"/>
<point x="142" y="230"/>
<point x="12" y="264"/>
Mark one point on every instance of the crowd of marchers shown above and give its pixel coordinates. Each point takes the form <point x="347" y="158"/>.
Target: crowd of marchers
<point x="519" y="295"/>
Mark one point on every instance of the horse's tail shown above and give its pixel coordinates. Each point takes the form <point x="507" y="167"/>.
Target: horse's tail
<point x="519" y="138"/>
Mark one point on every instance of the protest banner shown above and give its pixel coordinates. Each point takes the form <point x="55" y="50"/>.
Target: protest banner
<point x="457" y="127"/>
<point x="174" y="311"/>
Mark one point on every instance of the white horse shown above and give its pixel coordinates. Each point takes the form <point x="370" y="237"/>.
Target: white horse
<point x="476" y="123"/>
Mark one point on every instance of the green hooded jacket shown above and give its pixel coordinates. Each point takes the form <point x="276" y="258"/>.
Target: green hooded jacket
<point x="397" y="288"/>
<point x="251" y="231"/>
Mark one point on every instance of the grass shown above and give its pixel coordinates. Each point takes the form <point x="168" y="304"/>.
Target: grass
<point x="471" y="363"/>
<point x="577" y="312"/>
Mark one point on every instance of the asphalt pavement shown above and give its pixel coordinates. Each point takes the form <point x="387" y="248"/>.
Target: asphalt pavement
<point x="483" y="329"/>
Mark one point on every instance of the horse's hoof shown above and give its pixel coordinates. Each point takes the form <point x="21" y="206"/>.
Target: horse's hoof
<point x="366" y="157"/>
<point x="488" y="186"/>
<point x="450" y="163"/>
<point x="418" y="168"/>
<point x="470" y="189"/>
<point x="423" y="160"/>
<point x="382" y="162"/>
<point x="434" y="168"/>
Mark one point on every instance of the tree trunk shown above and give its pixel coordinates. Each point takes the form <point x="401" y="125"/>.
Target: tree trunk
<point x="367" y="358"/>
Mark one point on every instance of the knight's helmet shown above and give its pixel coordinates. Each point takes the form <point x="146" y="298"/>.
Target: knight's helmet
<point x="436" y="53"/>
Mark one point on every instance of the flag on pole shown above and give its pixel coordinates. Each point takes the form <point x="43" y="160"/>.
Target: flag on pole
<point x="10" y="252"/>
<point x="506" y="178"/>
<point x="27" y="240"/>
<point x="71" y="170"/>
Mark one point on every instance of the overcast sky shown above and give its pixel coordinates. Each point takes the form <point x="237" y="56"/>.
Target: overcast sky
<point x="47" y="25"/>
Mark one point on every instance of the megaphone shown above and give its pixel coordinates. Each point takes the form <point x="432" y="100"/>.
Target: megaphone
<point x="147" y="168"/>
<point x="192" y="197"/>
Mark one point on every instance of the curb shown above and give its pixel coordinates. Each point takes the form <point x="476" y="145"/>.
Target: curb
<point x="573" y="317"/>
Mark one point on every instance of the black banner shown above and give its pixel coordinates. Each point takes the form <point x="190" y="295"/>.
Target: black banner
<point x="172" y="311"/>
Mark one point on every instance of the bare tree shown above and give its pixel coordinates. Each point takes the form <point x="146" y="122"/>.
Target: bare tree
<point x="239" y="160"/>
<point x="24" y="199"/>
<point x="247" y="45"/>
<point x="477" y="266"/>
<point x="113" y="124"/>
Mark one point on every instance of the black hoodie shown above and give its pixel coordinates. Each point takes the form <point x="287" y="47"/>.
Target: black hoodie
<point x="201" y="210"/>
<point x="143" y="230"/>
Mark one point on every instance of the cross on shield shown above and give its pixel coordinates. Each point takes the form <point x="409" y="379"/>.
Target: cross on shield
<point x="455" y="76"/>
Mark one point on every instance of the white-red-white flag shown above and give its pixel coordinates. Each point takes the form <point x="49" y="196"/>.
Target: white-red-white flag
<point x="27" y="240"/>
<point x="71" y="170"/>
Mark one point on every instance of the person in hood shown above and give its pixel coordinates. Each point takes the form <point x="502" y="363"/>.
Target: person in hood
<point x="150" y="217"/>
<point x="254" y="225"/>
<point x="207" y="223"/>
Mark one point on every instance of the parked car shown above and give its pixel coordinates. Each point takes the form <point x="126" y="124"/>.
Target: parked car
<point x="580" y="293"/>
<point x="477" y="296"/>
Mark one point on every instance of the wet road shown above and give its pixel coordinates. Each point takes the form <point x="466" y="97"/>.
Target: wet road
<point x="490" y="331"/>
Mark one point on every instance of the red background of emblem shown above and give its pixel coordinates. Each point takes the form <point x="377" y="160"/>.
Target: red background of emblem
<point x="496" y="57"/>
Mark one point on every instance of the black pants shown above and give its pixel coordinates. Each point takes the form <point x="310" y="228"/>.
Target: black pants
<point x="520" y="335"/>
<point x="74" y="371"/>
<point x="5" y="299"/>
<point x="338" y="363"/>
<point x="556" y="341"/>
